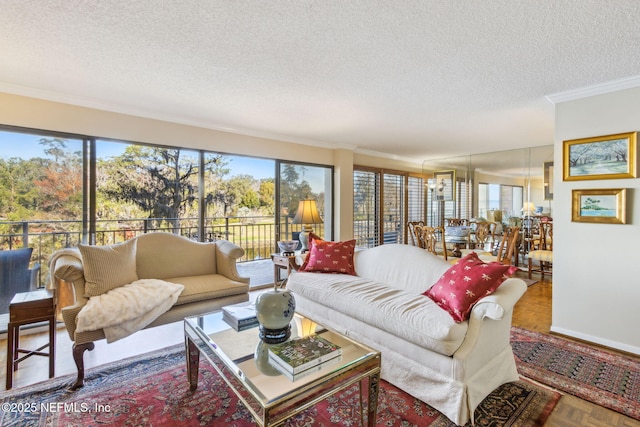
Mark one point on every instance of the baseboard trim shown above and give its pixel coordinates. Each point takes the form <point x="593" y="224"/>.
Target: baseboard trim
<point x="597" y="340"/>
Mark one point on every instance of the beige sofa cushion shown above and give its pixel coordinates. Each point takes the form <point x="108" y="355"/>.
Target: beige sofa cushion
<point x="108" y="267"/>
<point x="165" y="255"/>
<point x="207" y="286"/>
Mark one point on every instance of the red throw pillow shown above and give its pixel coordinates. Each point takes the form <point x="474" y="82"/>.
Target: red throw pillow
<point x="468" y="280"/>
<point x="330" y="257"/>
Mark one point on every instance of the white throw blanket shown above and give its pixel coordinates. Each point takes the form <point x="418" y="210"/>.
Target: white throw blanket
<point x="129" y="308"/>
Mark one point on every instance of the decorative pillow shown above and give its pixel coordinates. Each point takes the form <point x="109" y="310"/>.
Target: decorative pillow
<point x="330" y="257"/>
<point x="108" y="267"/>
<point x="468" y="280"/>
<point x="312" y="238"/>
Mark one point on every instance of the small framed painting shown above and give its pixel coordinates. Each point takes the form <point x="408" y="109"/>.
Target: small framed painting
<point x="445" y="182"/>
<point x="601" y="157"/>
<point x="604" y="206"/>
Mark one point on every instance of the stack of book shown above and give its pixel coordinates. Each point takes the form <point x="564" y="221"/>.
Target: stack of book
<point x="240" y="316"/>
<point x="301" y="357"/>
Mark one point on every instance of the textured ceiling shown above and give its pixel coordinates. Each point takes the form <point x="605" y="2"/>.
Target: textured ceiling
<point x="411" y="79"/>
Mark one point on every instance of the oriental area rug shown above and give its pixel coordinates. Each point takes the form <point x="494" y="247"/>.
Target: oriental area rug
<point x="152" y="390"/>
<point x="604" y="378"/>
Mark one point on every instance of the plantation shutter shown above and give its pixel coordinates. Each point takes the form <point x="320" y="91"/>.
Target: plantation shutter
<point x="366" y="208"/>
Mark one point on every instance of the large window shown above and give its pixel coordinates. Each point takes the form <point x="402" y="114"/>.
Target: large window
<point x="304" y="182"/>
<point x="143" y="188"/>
<point x="41" y="193"/>
<point x="239" y="202"/>
<point x="416" y="199"/>
<point x="383" y="203"/>
<point x="366" y="208"/>
<point x="59" y="190"/>
<point x="459" y="207"/>
<point x="505" y="198"/>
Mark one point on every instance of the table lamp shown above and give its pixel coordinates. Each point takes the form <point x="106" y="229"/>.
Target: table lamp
<point x="306" y="214"/>
<point x="528" y="209"/>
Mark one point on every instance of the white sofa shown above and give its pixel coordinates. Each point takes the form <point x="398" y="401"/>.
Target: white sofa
<point x="206" y="270"/>
<point x="451" y="366"/>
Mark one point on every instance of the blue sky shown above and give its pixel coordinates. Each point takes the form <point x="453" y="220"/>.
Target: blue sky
<point x="27" y="146"/>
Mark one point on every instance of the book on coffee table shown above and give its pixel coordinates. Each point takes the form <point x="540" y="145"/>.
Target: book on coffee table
<point x="301" y="354"/>
<point x="240" y="316"/>
<point x="317" y="368"/>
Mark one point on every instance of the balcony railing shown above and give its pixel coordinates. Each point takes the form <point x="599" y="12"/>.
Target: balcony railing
<point x="256" y="235"/>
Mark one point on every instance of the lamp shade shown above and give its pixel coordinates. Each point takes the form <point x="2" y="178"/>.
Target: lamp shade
<point x="529" y="207"/>
<point x="307" y="213"/>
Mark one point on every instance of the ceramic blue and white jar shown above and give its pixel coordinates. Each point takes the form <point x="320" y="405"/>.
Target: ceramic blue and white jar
<point x="274" y="310"/>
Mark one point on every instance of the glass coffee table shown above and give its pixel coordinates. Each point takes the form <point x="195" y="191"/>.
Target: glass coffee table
<point x="240" y="357"/>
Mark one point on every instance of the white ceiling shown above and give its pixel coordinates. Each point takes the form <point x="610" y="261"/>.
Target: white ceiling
<point x="414" y="80"/>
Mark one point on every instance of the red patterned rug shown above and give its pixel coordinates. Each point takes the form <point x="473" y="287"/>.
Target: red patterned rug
<point x="598" y="376"/>
<point x="152" y="390"/>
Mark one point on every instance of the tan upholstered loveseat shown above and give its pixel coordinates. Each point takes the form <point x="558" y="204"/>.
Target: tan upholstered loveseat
<point x="206" y="270"/>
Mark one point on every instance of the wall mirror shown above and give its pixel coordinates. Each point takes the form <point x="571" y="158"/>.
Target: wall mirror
<point x="503" y="186"/>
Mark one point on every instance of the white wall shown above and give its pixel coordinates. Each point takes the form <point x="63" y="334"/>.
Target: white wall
<point x="596" y="278"/>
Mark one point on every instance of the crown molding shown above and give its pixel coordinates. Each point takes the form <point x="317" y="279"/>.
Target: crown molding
<point x="383" y="155"/>
<point x="599" y="89"/>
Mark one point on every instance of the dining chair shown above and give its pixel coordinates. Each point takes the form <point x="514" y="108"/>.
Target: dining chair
<point x="411" y="231"/>
<point x="542" y="252"/>
<point x="432" y="238"/>
<point x="507" y="248"/>
<point x="483" y="232"/>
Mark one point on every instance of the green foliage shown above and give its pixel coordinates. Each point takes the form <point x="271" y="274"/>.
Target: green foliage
<point x="161" y="182"/>
<point x="42" y="187"/>
<point x="293" y="188"/>
<point x="591" y="204"/>
<point x="267" y="195"/>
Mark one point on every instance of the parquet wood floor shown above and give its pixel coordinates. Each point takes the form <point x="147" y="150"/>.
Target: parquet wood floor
<point x="532" y="312"/>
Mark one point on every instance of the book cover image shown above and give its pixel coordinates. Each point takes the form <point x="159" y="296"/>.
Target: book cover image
<point x="304" y="353"/>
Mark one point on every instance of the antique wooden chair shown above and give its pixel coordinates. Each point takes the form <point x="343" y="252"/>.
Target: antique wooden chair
<point x="507" y="248"/>
<point x="542" y="251"/>
<point x="483" y="233"/>
<point x="411" y="231"/>
<point x="432" y="239"/>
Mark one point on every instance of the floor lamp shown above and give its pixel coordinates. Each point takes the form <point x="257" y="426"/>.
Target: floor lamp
<point x="431" y="185"/>
<point x="438" y="188"/>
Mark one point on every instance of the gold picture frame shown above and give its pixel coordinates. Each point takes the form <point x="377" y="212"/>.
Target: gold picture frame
<point x="548" y="180"/>
<point x="600" y="157"/>
<point x="603" y="206"/>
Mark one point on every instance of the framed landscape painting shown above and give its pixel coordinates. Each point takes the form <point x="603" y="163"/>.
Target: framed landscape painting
<point x="605" y="206"/>
<point x="601" y="157"/>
